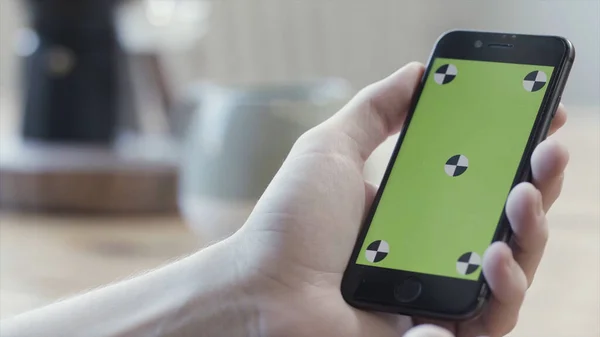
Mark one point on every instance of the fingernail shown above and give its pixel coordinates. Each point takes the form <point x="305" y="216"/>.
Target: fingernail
<point x="428" y="331"/>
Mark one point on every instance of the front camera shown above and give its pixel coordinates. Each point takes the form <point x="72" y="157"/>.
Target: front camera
<point x="478" y="44"/>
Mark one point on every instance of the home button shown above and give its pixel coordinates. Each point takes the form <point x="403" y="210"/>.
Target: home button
<point x="408" y="290"/>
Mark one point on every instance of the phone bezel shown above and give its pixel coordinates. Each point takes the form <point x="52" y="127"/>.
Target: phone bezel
<point x="446" y="297"/>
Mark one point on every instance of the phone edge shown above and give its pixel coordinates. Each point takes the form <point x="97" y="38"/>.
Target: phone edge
<point x="541" y="135"/>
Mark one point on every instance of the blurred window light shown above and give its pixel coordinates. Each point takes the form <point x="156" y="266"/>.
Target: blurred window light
<point x="151" y="25"/>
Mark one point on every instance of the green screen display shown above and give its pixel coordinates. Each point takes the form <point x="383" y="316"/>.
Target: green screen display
<point x="446" y="191"/>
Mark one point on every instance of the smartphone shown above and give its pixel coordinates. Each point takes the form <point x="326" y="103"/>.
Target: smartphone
<point x="485" y="101"/>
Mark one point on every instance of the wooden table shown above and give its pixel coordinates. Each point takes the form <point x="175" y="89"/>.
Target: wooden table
<point x="44" y="258"/>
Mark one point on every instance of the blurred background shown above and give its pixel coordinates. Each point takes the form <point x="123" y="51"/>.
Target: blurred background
<point x="136" y="131"/>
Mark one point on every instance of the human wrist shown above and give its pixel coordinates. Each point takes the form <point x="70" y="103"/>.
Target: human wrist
<point x="205" y="294"/>
<point x="225" y="300"/>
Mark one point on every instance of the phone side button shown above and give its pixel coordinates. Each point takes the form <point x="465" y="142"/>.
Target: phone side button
<point x="556" y="105"/>
<point x="408" y="290"/>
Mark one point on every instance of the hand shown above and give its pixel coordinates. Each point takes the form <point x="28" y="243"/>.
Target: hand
<point x="299" y="237"/>
<point x="428" y="331"/>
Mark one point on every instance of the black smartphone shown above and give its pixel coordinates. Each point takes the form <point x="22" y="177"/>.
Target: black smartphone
<point x="485" y="101"/>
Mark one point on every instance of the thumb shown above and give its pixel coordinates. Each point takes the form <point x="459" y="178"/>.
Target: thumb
<point x="378" y="110"/>
<point x="428" y="331"/>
